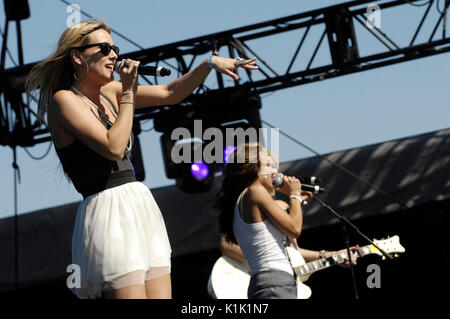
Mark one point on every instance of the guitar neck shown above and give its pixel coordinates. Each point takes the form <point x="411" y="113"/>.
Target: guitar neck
<point x="323" y="263"/>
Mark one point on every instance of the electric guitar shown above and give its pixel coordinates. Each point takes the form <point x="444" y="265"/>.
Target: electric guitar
<point x="230" y="278"/>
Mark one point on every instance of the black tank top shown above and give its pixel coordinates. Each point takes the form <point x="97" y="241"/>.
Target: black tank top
<point x="90" y="172"/>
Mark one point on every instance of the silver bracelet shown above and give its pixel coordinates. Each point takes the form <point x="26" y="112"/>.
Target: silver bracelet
<point x="210" y="64"/>
<point x="296" y="197"/>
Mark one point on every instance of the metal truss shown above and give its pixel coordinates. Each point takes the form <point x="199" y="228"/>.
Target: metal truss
<point x="342" y="27"/>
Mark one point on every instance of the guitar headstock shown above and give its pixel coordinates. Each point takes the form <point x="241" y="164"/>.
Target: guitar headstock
<point x="389" y="245"/>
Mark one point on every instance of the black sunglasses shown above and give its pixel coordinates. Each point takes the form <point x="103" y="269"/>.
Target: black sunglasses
<point x="105" y="48"/>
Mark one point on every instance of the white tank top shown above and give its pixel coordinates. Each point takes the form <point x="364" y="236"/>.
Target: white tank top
<point x="261" y="243"/>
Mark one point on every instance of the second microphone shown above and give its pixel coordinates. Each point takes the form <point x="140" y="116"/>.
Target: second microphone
<point x="315" y="189"/>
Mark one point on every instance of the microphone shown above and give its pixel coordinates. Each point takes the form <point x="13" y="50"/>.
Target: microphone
<point x="313" y="180"/>
<point x="147" y="70"/>
<point x="315" y="189"/>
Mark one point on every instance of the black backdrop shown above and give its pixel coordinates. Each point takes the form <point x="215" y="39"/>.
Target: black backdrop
<point x="423" y="271"/>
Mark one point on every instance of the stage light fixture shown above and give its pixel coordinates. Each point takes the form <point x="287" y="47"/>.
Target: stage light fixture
<point x="196" y="177"/>
<point x="192" y="175"/>
<point x="200" y="170"/>
<point x="16" y="10"/>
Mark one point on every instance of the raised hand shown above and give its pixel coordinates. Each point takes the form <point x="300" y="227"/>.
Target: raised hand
<point x="228" y="65"/>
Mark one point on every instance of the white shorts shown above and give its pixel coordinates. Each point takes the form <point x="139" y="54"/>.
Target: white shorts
<point x="138" y="277"/>
<point x="119" y="240"/>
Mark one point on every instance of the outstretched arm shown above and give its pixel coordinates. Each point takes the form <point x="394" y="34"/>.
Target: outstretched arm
<point x="182" y="87"/>
<point x="311" y="255"/>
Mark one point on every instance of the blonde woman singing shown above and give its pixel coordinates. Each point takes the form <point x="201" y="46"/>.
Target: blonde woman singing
<point x="119" y="240"/>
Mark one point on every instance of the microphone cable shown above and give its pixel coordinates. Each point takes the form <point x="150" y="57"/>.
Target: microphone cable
<point x="345" y="170"/>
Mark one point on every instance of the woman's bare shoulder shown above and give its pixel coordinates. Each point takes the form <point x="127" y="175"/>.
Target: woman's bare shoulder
<point x="257" y="193"/>
<point x="61" y="99"/>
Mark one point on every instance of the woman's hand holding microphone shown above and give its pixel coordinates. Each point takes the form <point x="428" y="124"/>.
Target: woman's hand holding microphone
<point x="292" y="186"/>
<point x="128" y="71"/>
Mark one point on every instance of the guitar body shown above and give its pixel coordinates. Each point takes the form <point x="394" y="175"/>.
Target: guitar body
<point x="297" y="260"/>
<point x="230" y="278"/>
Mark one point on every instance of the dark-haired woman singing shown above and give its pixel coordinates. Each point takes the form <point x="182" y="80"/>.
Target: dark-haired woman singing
<point x="251" y="218"/>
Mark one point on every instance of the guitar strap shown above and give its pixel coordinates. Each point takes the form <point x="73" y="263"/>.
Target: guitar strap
<point x="289" y="258"/>
<point x="241" y="208"/>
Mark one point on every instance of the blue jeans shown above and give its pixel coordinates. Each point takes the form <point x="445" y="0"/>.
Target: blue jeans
<point x="272" y="284"/>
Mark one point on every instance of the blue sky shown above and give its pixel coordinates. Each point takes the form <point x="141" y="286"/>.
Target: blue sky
<point x="359" y="109"/>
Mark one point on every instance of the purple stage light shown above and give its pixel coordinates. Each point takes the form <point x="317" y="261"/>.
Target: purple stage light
<point x="199" y="170"/>
<point x="227" y="152"/>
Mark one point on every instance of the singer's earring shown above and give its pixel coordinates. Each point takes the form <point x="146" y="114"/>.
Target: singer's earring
<point x="85" y="75"/>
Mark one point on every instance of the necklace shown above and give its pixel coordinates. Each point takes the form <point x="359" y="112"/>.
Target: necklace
<point x="103" y="117"/>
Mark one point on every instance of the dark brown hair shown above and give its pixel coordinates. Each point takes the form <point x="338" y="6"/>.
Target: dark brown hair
<point x="240" y="172"/>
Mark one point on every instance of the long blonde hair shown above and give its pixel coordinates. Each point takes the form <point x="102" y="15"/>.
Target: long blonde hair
<point x="56" y="72"/>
